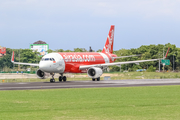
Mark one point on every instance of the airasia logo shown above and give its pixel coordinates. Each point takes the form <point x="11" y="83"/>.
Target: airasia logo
<point x="110" y="38"/>
<point x="79" y="58"/>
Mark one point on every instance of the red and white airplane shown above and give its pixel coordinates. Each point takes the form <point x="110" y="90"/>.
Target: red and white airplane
<point x="80" y="62"/>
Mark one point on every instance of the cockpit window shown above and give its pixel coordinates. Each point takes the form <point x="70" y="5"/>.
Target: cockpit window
<point x="47" y="59"/>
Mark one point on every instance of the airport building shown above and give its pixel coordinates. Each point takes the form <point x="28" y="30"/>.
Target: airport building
<point x="41" y="47"/>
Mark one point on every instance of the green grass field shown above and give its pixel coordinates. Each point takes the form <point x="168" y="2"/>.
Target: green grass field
<point x="128" y="103"/>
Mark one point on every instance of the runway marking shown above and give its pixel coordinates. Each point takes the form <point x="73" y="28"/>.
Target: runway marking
<point x="22" y="83"/>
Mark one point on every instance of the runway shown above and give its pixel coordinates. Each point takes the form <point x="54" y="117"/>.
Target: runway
<point x="88" y="84"/>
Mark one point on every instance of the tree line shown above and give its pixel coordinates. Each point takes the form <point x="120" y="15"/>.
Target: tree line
<point x="146" y="51"/>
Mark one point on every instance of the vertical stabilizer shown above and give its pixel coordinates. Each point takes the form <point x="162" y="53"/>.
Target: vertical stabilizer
<point x="108" y="48"/>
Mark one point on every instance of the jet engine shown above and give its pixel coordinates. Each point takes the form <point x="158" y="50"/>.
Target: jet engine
<point x="41" y="74"/>
<point x="94" y="72"/>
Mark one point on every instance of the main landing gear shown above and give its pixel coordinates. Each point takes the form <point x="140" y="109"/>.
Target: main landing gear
<point x="61" y="78"/>
<point x="98" y="79"/>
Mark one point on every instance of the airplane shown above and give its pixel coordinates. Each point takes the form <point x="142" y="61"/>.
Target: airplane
<point x="79" y="62"/>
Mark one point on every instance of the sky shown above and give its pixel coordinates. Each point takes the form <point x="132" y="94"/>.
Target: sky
<point x="69" y="24"/>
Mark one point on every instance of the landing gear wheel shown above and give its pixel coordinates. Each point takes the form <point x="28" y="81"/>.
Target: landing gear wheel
<point x="52" y="80"/>
<point x="64" y="78"/>
<point x="93" y="79"/>
<point x="60" y="79"/>
<point x="98" y="79"/>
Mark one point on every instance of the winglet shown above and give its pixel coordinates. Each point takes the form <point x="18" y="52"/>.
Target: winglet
<point x="167" y="52"/>
<point x="12" y="58"/>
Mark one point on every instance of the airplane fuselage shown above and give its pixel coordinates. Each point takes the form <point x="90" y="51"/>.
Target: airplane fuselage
<point x="65" y="62"/>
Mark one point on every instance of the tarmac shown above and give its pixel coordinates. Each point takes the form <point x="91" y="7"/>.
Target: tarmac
<point x="88" y="84"/>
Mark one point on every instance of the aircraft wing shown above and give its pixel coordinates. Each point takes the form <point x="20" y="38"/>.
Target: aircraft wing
<point x="115" y="63"/>
<point x="126" y="56"/>
<point x="31" y="64"/>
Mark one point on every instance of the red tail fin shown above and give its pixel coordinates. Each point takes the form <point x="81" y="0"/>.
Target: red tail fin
<point x="108" y="48"/>
<point x="167" y="52"/>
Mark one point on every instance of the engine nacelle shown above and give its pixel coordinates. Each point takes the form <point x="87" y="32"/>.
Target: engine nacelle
<point x="94" y="72"/>
<point x="42" y="75"/>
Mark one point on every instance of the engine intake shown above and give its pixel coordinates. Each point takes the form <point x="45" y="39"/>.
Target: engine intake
<point x="41" y="74"/>
<point x="94" y="72"/>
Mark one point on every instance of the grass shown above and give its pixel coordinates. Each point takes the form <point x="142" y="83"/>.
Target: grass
<point x="128" y="103"/>
<point x="146" y="75"/>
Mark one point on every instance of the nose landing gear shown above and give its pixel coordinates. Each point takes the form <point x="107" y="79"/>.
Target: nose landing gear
<point x="52" y="80"/>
